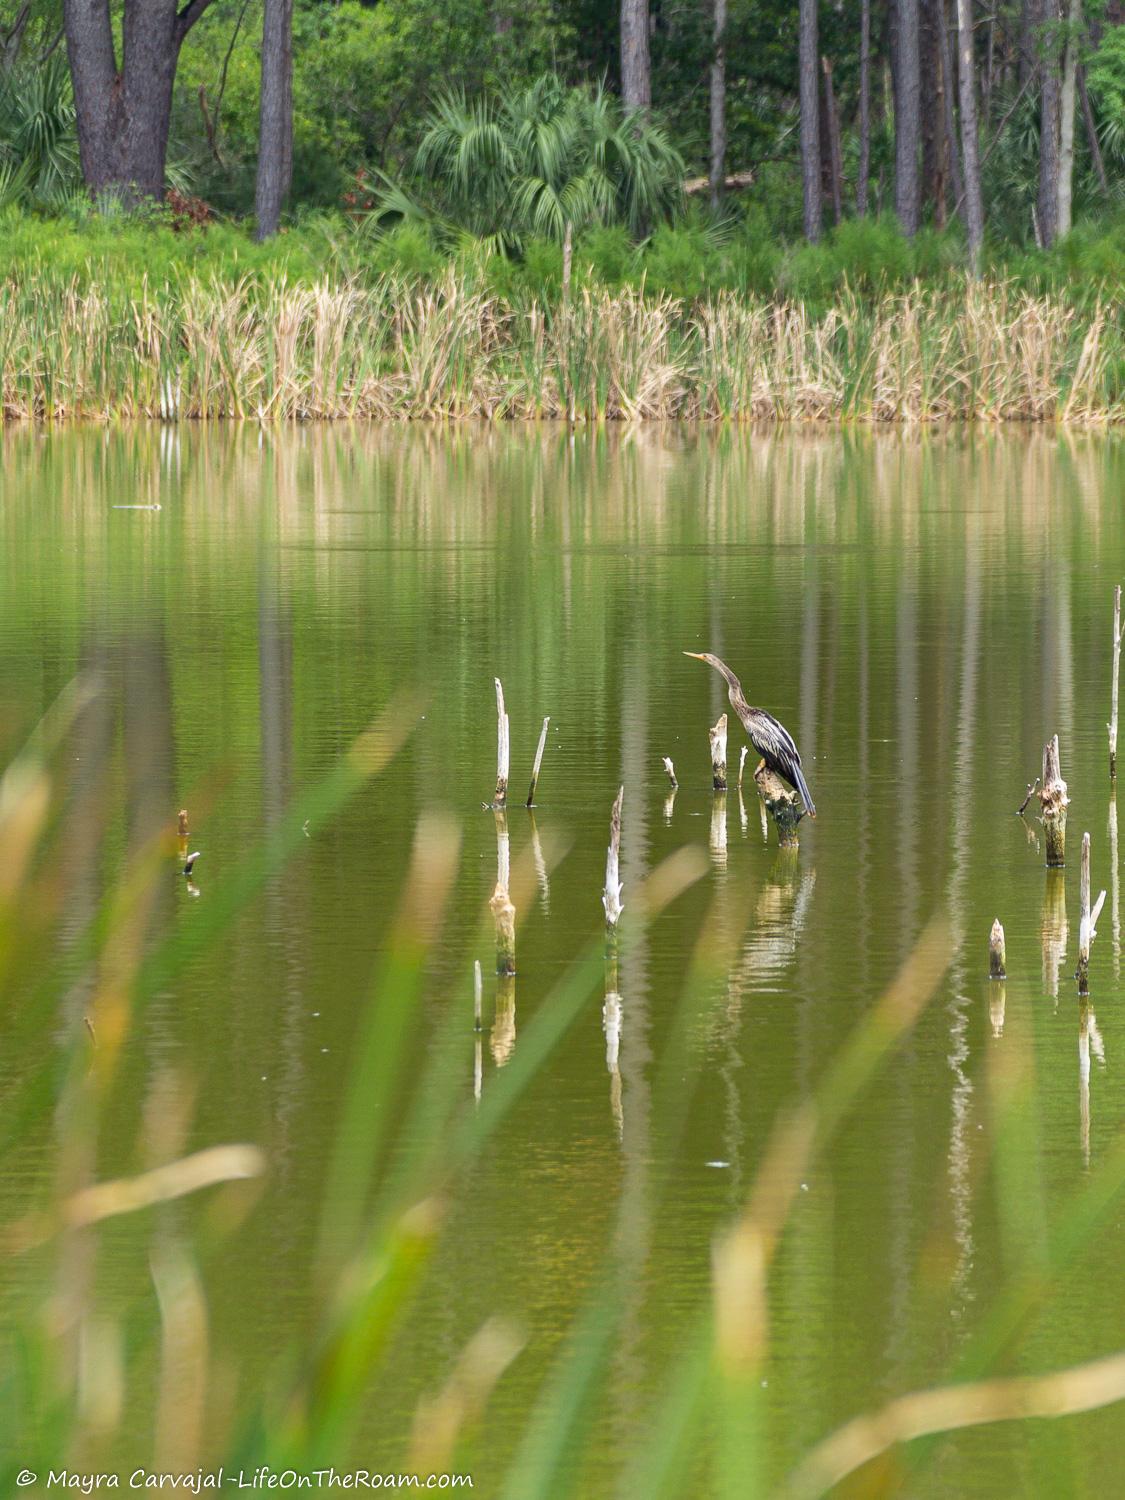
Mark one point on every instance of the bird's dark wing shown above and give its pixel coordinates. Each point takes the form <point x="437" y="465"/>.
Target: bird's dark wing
<point x="775" y="745"/>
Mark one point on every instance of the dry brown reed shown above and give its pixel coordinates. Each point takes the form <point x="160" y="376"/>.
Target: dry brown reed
<point x="272" y="351"/>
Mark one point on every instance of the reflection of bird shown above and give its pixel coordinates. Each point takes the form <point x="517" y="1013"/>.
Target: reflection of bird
<point x="771" y="740"/>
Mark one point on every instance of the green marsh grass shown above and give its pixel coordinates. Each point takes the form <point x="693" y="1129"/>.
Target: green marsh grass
<point x="258" y="347"/>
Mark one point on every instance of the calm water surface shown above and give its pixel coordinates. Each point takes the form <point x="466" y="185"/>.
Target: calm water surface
<point x="921" y="611"/>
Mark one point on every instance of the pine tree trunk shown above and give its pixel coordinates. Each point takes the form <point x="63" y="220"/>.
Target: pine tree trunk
<point x="122" y="114"/>
<point x="719" y="105"/>
<point x="810" y="118"/>
<point x="275" y="119"/>
<point x="935" y="171"/>
<point x="952" y="145"/>
<point x="864" y="173"/>
<point x="1049" y="129"/>
<point x="970" y="146"/>
<point x="834" y="155"/>
<point x="1067" y="105"/>
<point x="908" y="125"/>
<point x="636" y="70"/>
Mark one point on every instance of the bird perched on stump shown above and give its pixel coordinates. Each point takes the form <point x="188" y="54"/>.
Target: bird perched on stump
<point x="771" y="740"/>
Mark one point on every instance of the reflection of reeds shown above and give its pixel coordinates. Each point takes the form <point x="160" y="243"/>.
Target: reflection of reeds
<point x="275" y="351"/>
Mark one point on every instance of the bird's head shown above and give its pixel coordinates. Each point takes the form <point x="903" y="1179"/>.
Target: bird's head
<point x="720" y="666"/>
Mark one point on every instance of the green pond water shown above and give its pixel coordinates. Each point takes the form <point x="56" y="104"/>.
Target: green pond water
<point x="921" y="611"/>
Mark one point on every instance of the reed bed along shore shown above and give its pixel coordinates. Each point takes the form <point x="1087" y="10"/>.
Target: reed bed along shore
<point x="272" y="351"/>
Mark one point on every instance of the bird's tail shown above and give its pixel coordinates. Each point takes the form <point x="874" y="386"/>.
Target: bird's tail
<point x="803" y="788"/>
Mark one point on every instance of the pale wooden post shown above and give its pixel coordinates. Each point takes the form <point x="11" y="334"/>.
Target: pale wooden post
<point x="611" y="896"/>
<point x="502" y="749"/>
<point x="1053" y="801"/>
<point x="538" y="762"/>
<point x="996" y="955"/>
<point x="718" y="738"/>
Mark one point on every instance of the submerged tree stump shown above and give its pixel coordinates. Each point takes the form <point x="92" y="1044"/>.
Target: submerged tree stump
<point x="1053" y="802"/>
<point x="718" y="738"/>
<point x="782" y="803"/>
<point x="996" y="953"/>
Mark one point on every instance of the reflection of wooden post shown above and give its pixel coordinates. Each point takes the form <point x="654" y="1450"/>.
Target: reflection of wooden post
<point x="501" y="904"/>
<point x="182" y="828"/>
<point x="718" y="738"/>
<point x="1112" y="725"/>
<point x="502" y="1041"/>
<point x="670" y="799"/>
<point x="1054" y="930"/>
<point x="538" y="763"/>
<point x="478" y="988"/>
<point x="1084" y="1018"/>
<point x="611" y="896"/>
<point x="742" y="754"/>
<point x="1053" y="801"/>
<point x="502" y="749"/>
<point x="1114" y="885"/>
<point x="719" y="829"/>
<point x="1088" y="923"/>
<point x="783" y="804"/>
<point x="611" y="1025"/>
<point x="996" y="952"/>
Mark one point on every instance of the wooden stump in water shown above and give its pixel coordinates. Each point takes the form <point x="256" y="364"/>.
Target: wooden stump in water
<point x="500" y="796"/>
<point x="1053" y="802"/>
<point x="718" y="738"/>
<point x="782" y="803"/>
<point x="996" y="955"/>
<point x="611" y="896"/>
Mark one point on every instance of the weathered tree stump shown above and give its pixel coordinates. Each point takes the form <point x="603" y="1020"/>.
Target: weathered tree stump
<point x="1053" y="802"/>
<point x="996" y="955"/>
<point x="718" y="738"/>
<point x="782" y="803"/>
<point x="611" y="896"/>
<point x="500" y="797"/>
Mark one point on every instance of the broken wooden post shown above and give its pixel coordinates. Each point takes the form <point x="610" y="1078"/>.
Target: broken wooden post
<point x="670" y="799"/>
<point x="1053" y="802"/>
<point x="500" y="798"/>
<point x="1088" y="920"/>
<point x="996" y="952"/>
<point x="538" y="762"/>
<point x="718" y="738"/>
<point x="1112" y="726"/>
<point x="783" y="804"/>
<point x="611" y="896"/>
<point x="501" y="903"/>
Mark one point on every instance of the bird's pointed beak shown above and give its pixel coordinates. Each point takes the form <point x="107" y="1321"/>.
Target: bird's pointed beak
<point x="697" y="654"/>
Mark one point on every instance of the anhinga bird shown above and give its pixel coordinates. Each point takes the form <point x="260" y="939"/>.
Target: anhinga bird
<point x="771" y="740"/>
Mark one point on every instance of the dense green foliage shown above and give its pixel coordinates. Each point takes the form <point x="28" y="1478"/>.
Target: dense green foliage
<point x="375" y="85"/>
